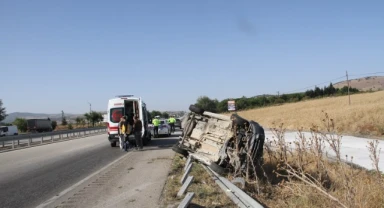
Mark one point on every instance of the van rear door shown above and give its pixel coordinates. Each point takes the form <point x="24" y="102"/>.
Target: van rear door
<point x="114" y="117"/>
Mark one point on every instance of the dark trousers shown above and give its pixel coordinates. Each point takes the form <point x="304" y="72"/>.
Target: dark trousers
<point x="156" y="131"/>
<point x="172" y="127"/>
<point x="139" y="141"/>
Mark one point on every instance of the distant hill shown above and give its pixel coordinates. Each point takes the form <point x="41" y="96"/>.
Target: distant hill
<point x="54" y="117"/>
<point x="374" y="83"/>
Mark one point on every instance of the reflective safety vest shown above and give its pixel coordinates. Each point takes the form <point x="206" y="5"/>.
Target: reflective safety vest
<point x="172" y="120"/>
<point x="156" y="122"/>
<point x="122" y="128"/>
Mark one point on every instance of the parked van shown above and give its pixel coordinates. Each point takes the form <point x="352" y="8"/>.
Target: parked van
<point x="8" y="131"/>
<point x="126" y="105"/>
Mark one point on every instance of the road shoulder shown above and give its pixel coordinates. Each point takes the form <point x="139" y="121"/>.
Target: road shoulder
<point x="136" y="180"/>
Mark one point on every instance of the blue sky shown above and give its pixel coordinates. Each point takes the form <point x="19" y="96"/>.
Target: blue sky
<point x="58" y="55"/>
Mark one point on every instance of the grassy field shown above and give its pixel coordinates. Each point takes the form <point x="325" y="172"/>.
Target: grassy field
<point x="364" y="117"/>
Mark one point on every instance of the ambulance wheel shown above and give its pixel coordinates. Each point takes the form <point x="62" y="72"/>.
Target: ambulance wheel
<point x="113" y="144"/>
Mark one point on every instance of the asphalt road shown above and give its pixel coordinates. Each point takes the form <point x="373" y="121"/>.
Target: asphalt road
<point x="29" y="177"/>
<point x="37" y="139"/>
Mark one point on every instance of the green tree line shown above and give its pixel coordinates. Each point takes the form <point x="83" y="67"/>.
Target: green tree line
<point x="158" y="113"/>
<point x="213" y="105"/>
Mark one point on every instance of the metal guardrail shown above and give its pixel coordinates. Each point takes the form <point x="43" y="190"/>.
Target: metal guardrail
<point x="238" y="196"/>
<point x="11" y="140"/>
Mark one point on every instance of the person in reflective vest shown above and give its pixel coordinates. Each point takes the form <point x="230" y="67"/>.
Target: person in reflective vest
<point x="156" y="123"/>
<point x="172" y="122"/>
<point x="122" y="132"/>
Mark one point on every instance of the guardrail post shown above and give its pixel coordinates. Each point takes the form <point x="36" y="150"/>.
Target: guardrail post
<point x="185" y="186"/>
<point x="187" y="171"/>
<point x="18" y="142"/>
<point x="13" y="144"/>
<point x="187" y="199"/>
<point x="51" y="138"/>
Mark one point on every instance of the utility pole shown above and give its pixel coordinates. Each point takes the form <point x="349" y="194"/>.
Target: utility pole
<point x="90" y="111"/>
<point x="278" y="94"/>
<point x="90" y="108"/>
<point x="349" y="96"/>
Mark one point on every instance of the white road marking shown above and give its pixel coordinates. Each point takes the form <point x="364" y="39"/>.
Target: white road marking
<point x="49" y="201"/>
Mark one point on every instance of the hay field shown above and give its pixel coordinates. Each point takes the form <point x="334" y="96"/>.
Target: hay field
<point x="364" y="117"/>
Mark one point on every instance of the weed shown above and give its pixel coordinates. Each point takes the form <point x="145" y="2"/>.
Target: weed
<point x="300" y="174"/>
<point x="207" y="193"/>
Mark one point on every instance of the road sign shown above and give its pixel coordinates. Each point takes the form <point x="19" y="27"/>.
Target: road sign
<point x="231" y="105"/>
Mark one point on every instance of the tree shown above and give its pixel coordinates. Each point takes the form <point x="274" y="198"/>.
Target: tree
<point x="165" y="115"/>
<point x="242" y="103"/>
<point x="54" y="125"/>
<point x="222" y="106"/>
<point x="64" y="121"/>
<point x="155" y="113"/>
<point x="3" y="113"/>
<point x="332" y="89"/>
<point x="83" y="122"/>
<point x="94" y="117"/>
<point x="70" y="126"/>
<point x="78" y="121"/>
<point x="207" y="104"/>
<point x="87" y="118"/>
<point x="21" y="124"/>
<point x="318" y="92"/>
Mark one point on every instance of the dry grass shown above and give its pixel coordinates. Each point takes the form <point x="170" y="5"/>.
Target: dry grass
<point x="299" y="175"/>
<point x="62" y="127"/>
<point x="207" y="193"/>
<point x="365" y="115"/>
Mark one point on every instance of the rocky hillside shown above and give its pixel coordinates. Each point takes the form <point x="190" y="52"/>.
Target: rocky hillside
<point x="374" y="83"/>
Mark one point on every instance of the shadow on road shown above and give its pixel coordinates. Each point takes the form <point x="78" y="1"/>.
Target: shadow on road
<point x="162" y="142"/>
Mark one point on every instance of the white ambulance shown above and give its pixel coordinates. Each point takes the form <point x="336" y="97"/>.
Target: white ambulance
<point x="127" y="105"/>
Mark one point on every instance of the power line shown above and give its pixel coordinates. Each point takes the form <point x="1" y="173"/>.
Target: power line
<point x="314" y="85"/>
<point x="342" y="77"/>
<point x="356" y="75"/>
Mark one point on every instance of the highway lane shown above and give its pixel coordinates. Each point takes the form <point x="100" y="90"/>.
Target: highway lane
<point x="37" y="138"/>
<point x="30" y="176"/>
